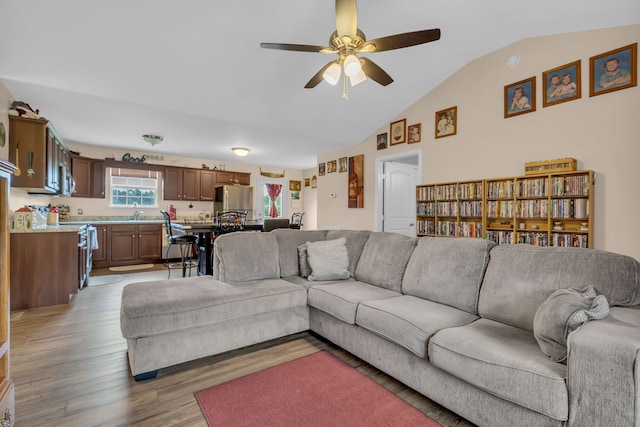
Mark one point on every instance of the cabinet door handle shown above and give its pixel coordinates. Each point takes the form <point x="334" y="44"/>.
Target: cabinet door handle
<point x="140" y="235"/>
<point x="134" y="236"/>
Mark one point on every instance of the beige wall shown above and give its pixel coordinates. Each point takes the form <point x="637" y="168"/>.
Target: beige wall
<point x="600" y="132"/>
<point x="5" y="102"/>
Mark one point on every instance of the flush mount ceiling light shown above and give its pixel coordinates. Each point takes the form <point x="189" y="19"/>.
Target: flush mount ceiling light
<point x="240" y="151"/>
<point x="347" y="42"/>
<point x="153" y="139"/>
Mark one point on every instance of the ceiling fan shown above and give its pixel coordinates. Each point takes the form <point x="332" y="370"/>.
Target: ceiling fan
<point x="348" y="41"/>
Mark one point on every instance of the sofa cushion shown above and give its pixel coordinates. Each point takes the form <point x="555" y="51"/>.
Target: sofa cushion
<point x="355" y="243"/>
<point x="409" y="321"/>
<point x="341" y="299"/>
<point x="303" y="263"/>
<point x="384" y="259"/>
<point x="562" y="313"/>
<point x="158" y="307"/>
<point x="533" y="273"/>
<point x="505" y="361"/>
<point x="287" y="248"/>
<point x="328" y="260"/>
<point x="246" y="256"/>
<point x="448" y="271"/>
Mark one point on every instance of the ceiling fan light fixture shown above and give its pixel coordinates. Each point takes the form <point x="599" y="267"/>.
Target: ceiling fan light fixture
<point x="240" y="151"/>
<point x="352" y="66"/>
<point x="358" y="78"/>
<point x="153" y="139"/>
<point x="332" y="74"/>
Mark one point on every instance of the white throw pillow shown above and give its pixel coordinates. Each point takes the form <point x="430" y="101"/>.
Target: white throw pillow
<point x="328" y="260"/>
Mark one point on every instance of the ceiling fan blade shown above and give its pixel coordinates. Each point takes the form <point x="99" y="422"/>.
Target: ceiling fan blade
<point x="346" y="18"/>
<point x="294" y="47"/>
<point x="399" y="41"/>
<point x="318" y="77"/>
<point x="374" y="72"/>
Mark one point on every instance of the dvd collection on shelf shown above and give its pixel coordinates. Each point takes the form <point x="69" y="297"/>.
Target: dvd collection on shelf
<point x="549" y="209"/>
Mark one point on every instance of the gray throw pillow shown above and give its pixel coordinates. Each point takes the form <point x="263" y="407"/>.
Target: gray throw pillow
<point x="562" y="313"/>
<point x="328" y="260"/>
<point x="305" y="270"/>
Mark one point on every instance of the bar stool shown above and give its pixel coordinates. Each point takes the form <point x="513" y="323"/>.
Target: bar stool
<point x="186" y="242"/>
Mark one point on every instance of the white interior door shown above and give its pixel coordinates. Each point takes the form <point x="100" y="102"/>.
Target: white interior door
<point x="399" y="203"/>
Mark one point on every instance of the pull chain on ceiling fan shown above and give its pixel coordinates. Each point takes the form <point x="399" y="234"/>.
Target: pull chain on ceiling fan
<point x="347" y="42"/>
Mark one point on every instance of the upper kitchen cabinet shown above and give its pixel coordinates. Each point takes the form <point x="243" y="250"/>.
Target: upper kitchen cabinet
<point x="233" y="178"/>
<point x="181" y="184"/>
<point x="42" y="160"/>
<point x="207" y="185"/>
<point x="81" y="171"/>
<point x="89" y="177"/>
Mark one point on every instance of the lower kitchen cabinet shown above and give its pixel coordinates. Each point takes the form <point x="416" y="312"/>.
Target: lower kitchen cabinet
<point x="100" y="254"/>
<point x="126" y="244"/>
<point x="54" y="275"/>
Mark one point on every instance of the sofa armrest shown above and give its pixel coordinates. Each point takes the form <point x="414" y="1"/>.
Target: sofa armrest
<point x="603" y="370"/>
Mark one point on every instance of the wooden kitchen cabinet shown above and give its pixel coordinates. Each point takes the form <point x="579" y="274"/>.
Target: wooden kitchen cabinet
<point x="207" y="185"/>
<point x="89" y="175"/>
<point x="181" y="184"/>
<point x="134" y="244"/>
<point x="43" y="159"/>
<point x="100" y="254"/>
<point x="43" y="283"/>
<point x="98" y="177"/>
<point x="233" y="178"/>
<point x="81" y="171"/>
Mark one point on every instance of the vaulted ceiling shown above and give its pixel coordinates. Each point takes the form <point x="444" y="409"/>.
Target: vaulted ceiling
<point x="193" y="71"/>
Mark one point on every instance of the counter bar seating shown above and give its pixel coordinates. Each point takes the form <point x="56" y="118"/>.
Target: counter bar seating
<point x="186" y="243"/>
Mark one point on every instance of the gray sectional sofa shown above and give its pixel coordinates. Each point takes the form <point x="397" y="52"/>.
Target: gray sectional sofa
<point x="455" y="319"/>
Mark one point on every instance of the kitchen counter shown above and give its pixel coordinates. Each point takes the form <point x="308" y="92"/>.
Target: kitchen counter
<point x="60" y="228"/>
<point x="115" y="221"/>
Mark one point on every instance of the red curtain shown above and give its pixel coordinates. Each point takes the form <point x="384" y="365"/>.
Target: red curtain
<point x="274" y="190"/>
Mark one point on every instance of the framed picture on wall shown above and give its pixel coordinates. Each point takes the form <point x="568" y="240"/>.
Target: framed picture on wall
<point x="447" y="122"/>
<point x="415" y="133"/>
<point x="520" y="97"/>
<point x="332" y="166"/>
<point x="321" y="169"/>
<point x="382" y="141"/>
<point x="295" y="185"/>
<point x="342" y="164"/>
<point x="355" y="189"/>
<point x="561" y="84"/>
<point x="398" y="132"/>
<point x="613" y="70"/>
<point x="307" y="182"/>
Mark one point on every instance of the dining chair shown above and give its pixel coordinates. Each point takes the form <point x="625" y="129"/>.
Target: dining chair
<point x="186" y="242"/>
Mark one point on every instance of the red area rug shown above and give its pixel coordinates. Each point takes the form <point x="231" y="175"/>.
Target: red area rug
<point x="315" y="390"/>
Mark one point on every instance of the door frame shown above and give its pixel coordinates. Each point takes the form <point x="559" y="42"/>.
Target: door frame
<point x="379" y="192"/>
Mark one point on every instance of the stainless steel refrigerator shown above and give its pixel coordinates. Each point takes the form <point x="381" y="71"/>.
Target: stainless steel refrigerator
<point x="234" y="197"/>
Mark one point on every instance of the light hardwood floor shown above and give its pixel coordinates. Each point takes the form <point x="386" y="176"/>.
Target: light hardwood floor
<point x="69" y="366"/>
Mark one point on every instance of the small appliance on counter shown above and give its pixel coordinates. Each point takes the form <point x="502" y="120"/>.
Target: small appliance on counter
<point x="52" y="216"/>
<point x="28" y="218"/>
<point x="63" y="213"/>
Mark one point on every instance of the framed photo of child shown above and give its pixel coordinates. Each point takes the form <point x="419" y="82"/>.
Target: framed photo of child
<point x="447" y="122"/>
<point x="520" y="97"/>
<point x="613" y="70"/>
<point x="398" y="132"/>
<point x="414" y="133"/>
<point x="561" y="84"/>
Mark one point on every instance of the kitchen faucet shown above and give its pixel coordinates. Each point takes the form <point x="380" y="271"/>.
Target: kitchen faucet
<point x="136" y="214"/>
